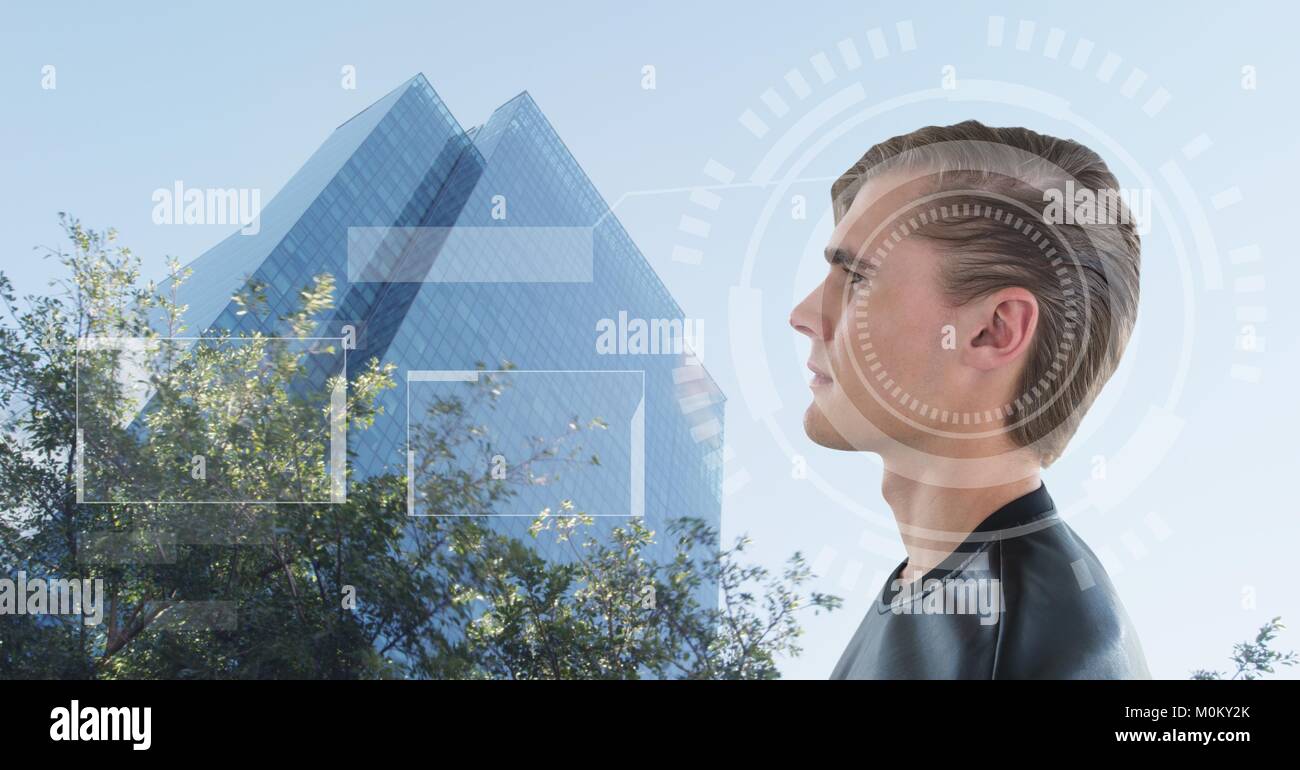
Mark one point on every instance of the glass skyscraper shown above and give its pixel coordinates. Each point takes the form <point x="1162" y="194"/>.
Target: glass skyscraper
<point x="456" y="251"/>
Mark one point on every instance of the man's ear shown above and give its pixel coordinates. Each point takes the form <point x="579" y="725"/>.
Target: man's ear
<point x="998" y="329"/>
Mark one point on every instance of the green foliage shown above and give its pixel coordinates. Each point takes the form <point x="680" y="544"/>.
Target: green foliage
<point x="612" y="612"/>
<point x="348" y="590"/>
<point x="1254" y="659"/>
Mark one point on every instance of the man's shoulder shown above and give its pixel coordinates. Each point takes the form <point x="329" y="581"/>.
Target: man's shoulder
<point x="1062" y="617"/>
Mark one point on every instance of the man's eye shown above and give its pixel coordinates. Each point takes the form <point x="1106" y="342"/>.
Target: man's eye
<point x="854" y="276"/>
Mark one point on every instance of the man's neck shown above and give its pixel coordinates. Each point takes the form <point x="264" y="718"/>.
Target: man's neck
<point x="934" y="520"/>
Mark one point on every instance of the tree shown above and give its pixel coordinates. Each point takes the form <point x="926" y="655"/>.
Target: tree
<point x="265" y="585"/>
<point x="1253" y="659"/>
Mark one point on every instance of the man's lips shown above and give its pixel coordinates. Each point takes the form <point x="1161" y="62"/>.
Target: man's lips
<point x="819" y="377"/>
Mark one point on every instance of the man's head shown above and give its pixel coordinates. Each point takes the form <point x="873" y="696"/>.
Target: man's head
<point x="969" y="307"/>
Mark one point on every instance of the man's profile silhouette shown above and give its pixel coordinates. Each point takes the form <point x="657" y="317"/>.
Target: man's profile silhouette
<point x="974" y="305"/>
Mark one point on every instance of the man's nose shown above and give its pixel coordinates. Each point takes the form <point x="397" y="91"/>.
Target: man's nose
<point x="807" y="317"/>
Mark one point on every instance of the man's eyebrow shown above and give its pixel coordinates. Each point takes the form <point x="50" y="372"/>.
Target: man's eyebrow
<point x="838" y="256"/>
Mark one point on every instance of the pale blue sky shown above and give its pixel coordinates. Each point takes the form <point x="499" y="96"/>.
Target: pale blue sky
<point x="240" y="94"/>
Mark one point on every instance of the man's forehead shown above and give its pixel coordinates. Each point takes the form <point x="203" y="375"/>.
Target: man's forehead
<point x="880" y="197"/>
<point x="861" y="218"/>
<point x="878" y="200"/>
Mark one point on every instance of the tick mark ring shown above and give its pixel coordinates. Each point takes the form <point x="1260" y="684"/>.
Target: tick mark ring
<point x="1055" y="248"/>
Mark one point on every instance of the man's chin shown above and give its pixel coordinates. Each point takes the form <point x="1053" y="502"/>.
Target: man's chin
<point x="820" y="430"/>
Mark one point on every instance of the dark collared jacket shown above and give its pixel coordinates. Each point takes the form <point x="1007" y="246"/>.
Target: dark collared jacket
<point x="1022" y="598"/>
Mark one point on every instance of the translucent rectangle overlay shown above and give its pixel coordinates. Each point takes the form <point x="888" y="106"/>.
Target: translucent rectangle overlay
<point x="629" y="462"/>
<point x="106" y="407"/>
<point x="493" y="254"/>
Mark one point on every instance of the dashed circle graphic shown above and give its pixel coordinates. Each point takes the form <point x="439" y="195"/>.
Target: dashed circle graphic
<point x="893" y="395"/>
<point x="787" y="115"/>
